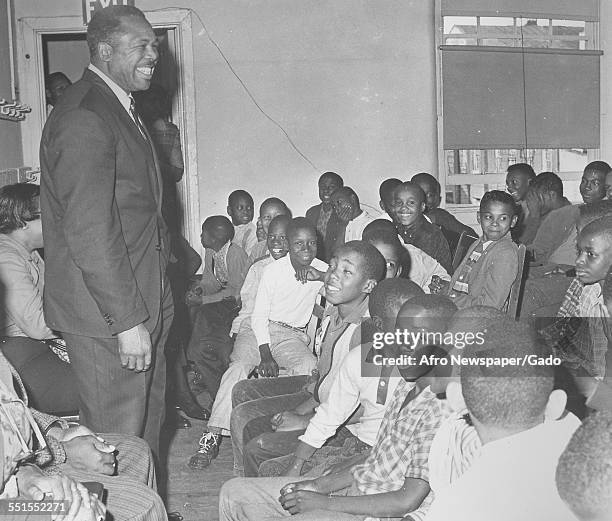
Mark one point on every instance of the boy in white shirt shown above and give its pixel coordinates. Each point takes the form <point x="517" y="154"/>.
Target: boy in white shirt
<point x="277" y="334"/>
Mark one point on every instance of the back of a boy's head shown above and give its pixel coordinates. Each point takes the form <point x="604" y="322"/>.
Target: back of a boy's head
<point x="373" y="263"/>
<point x="333" y="176"/>
<point x="220" y="227"/>
<point x="389" y="296"/>
<point x="278" y="203"/>
<point x="508" y="397"/>
<point x="584" y="472"/>
<point x="598" y="166"/>
<point x="377" y="226"/>
<point x="593" y="211"/>
<point x="424" y="177"/>
<point x="239" y="194"/>
<point x="385" y="190"/>
<point x="601" y="227"/>
<point x="300" y="223"/>
<point x="386" y="237"/>
<point x="522" y="168"/>
<point x="497" y="196"/>
<point x="548" y="182"/>
<point x="438" y="306"/>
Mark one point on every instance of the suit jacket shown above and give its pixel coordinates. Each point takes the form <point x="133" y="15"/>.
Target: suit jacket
<point x="491" y="277"/>
<point x="106" y="243"/>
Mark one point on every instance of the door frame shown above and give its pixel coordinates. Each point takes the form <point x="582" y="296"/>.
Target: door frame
<point x="30" y="68"/>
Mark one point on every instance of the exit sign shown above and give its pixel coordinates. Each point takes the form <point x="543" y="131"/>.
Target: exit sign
<point x="91" y="6"/>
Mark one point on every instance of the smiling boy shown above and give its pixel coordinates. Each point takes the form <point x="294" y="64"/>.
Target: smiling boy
<point x="407" y="207"/>
<point x="268" y="210"/>
<point x="486" y="274"/>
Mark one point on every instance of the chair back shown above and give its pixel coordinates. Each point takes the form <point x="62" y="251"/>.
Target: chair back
<point x="513" y="303"/>
<point x="463" y="245"/>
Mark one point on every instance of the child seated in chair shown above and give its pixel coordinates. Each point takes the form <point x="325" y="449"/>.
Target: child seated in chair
<point x="407" y="208"/>
<point x="486" y="274"/>
<point x="277" y="335"/>
<point x="240" y="209"/>
<point x="269" y="209"/>
<point x="214" y="300"/>
<point x="438" y="216"/>
<point x="583" y="346"/>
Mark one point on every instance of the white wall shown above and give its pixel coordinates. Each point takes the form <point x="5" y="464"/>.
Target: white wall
<point x="352" y="82"/>
<point x="69" y="57"/>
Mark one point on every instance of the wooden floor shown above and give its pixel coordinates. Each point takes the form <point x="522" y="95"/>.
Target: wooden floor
<point x="195" y="493"/>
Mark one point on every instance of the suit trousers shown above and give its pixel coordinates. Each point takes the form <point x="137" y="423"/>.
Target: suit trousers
<point x="114" y="399"/>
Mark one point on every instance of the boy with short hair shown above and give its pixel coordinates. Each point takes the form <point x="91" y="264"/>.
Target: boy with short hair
<point x="407" y="208"/>
<point x="584" y="473"/>
<point x="391" y="480"/>
<point x="518" y="178"/>
<point x="593" y="182"/>
<point x="240" y="209"/>
<point x="269" y="209"/>
<point x="214" y="300"/>
<point x="323" y="216"/>
<point x="385" y="191"/>
<point x="351" y="214"/>
<point x="486" y="274"/>
<point x="355" y="269"/>
<point x="438" y="216"/>
<point x="514" y="410"/>
<point x="416" y="265"/>
<point x="276" y="337"/>
<point x="584" y="348"/>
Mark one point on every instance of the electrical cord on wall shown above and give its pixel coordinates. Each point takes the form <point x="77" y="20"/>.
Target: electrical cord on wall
<point x="242" y="83"/>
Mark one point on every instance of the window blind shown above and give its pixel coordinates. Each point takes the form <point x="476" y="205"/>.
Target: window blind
<point x="503" y="97"/>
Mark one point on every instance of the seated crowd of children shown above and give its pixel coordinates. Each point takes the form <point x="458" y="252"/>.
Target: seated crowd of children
<point x="370" y="362"/>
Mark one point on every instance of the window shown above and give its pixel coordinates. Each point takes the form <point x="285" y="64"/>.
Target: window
<point x="518" y="86"/>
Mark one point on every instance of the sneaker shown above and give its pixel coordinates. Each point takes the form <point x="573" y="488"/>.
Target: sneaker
<point x="208" y="450"/>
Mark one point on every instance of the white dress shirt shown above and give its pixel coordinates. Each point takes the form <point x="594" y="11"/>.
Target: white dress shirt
<point x="282" y="298"/>
<point x="354" y="229"/>
<point x="124" y="97"/>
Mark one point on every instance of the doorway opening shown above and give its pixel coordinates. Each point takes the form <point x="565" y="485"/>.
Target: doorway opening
<point x="58" y="44"/>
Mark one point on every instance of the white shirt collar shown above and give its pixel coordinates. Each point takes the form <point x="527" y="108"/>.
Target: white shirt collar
<point x="124" y="98"/>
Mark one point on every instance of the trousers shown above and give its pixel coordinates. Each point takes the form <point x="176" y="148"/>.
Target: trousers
<point x="289" y="347"/>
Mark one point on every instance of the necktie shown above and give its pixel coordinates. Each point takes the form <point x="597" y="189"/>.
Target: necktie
<point x="137" y="119"/>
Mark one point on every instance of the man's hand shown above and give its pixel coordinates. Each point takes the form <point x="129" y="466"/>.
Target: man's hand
<point x="67" y="434"/>
<point x="268" y="366"/>
<point x="135" y="348"/>
<point x="344" y="212"/>
<point x="308" y="484"/>
<point x="35" y="485"/>
<point x="297" y="501"/>
<point x="289" y="421"/>
<point x="89" y="453"/>
<point x="309" y="273"/>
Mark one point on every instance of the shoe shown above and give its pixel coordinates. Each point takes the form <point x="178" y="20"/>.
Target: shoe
<point x="208" y="450"/>
<point x="187" y="403"/>
<point x="175" y="516"/>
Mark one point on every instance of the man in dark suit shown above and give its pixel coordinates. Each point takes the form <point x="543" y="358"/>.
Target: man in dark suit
<point x="106" y="243"/>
